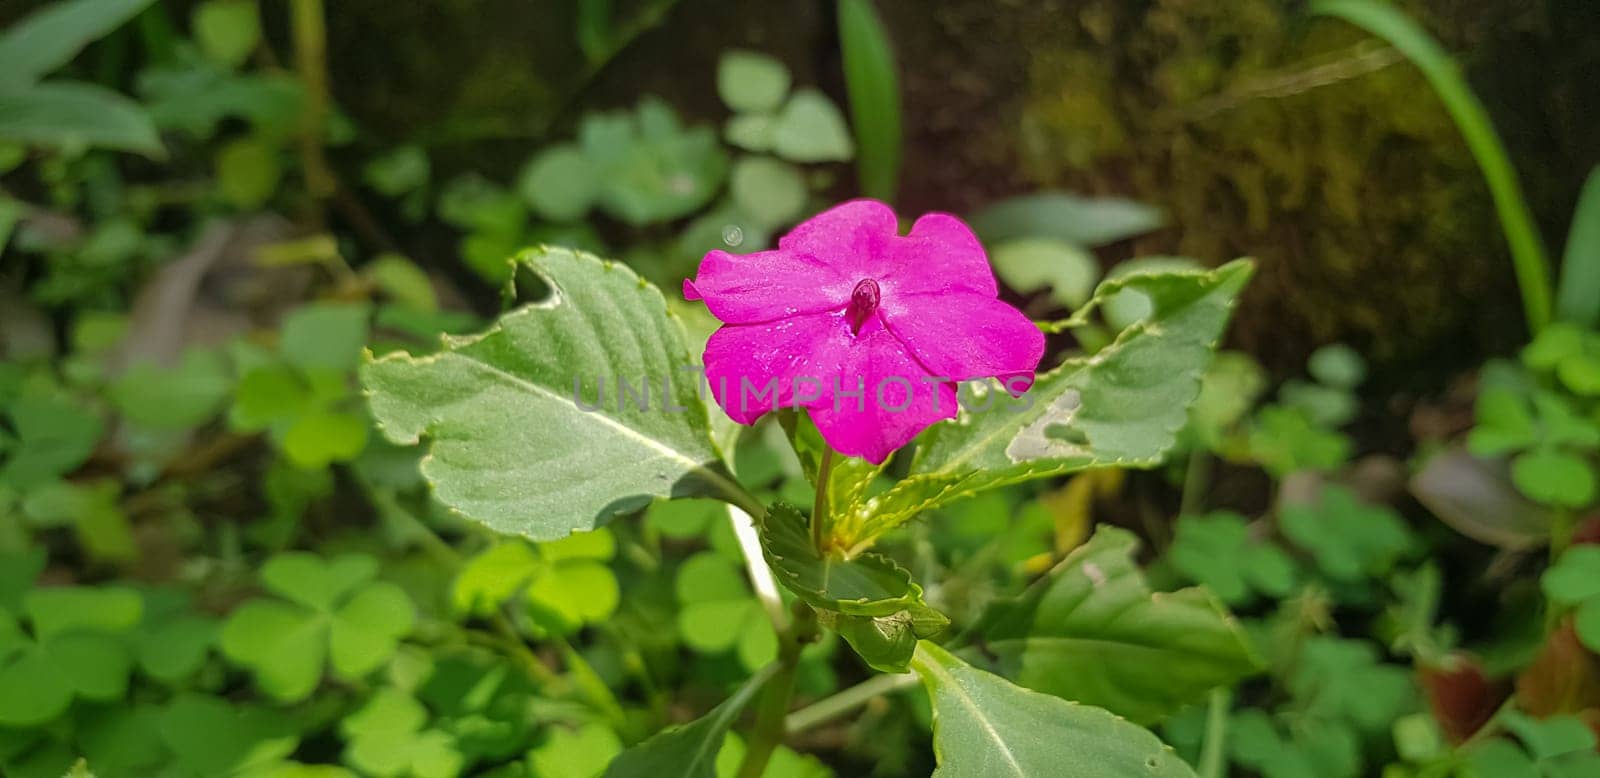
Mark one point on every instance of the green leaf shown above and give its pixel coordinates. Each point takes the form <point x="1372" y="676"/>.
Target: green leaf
<point x="320" y="438"/>
<point x="248" y="172"/>
<point x="985" y="727"/>
<point x="1578" y="293"/>
<point x="227" y="30"/>
<point x="690" y="750"/>
<point x="873" y="88"/>
<point x="1350" y="540"/>
<point x="283" y="645"/>
<point x="337" y="614"/>
<point x="811" y="129"/>
<point x="33" y="690"/>
<point x="1030" y="264"/>
<point x="1346" y="680"/>
<point x="51" y="36"/>
<point x="1218" y="552"/>
<point x="579" y="753"/>
<point x="68" y="114"/>
<point x="399" y="172"/>
<point x="1551" y="737"/>
<point x="1079" y="221"/>
<point x="512" y="448"/>
<point x="751" y="82"/>
<point x="1554" y="477"/>
<point x="751" y="132"/>
<point x="770" y="192"/>
<point x="1338" y="366"/>
<point x="1552" y="345"/>
<point x="58" y="610"/>
<point x="1093" y="632"/>
<point x="366" y="630"/>
<point x="560" y="184"/>
<point x="652" y="169"/>
<point x="1505" y="423"/>
<point x="325" y="336"/>
<point x="1586" y="621"/>
<point x="880" y="608"/>
<point x="1575" y="577"/>
<point x="1499" y="759"/>
<point x="173" y="399"/>
<point x="315" y="582"/>
<point x="210" y="736"/>
<point x="717" y="612"/>
<point x="1124" y="406"/>
<point x="492" y="578"/>
<point x="176" y="648"/>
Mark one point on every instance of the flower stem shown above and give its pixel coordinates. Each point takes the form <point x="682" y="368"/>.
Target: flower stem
<point x="820" y="513"/>
<point x="848" y="700"/>
<point x="774" y="706"/>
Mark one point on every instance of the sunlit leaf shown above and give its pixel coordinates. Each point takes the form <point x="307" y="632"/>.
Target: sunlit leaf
<point x="986" y="727"/>
<point x="1151" y="653"/>
<point x="511" y="446"/>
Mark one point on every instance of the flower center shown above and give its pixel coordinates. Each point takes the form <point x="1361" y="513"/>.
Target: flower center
<point x="863" y="303"/>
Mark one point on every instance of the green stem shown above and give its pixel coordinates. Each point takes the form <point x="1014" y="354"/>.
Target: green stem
<point x="590" y="682"/>
<point x="1195" y="476"/>
<point x="847" y="700"/>
<point x="310" y="32"/>
<point x="820" y="512"/>
<point x="1563" y="523"/>
<point x="1213" y="752"/>
<point x="774" y="706"/>
<point x="1527" y="247"/>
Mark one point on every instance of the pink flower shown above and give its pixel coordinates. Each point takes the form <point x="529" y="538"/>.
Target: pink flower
<point x="868" y="329"/>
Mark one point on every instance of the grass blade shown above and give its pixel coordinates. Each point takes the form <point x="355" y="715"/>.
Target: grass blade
<point x="874" y="90"/>
<point x="1578" y="294"/>
<point x="1527" y="248"/>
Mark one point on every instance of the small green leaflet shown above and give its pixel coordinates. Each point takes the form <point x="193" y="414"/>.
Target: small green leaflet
<point x="1092" y="632"/>
<point x="1122" y="406"/>
<point x="871" y="601"/>
<point x="689" y="751"/>
<point x="510" y="445"/>
<point x="986" y="727"/>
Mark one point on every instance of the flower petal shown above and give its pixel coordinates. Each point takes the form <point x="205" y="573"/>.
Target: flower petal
<point x="851" y="236"/>
<point x="766" y="285"/>
<point x="742" y="360"/>
<point x="887" y="399"/>
<point x="940" y="255"/>
<point x="960" y="337"/>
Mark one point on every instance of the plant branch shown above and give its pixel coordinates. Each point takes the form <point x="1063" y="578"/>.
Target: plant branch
<point x="847" y="700"/>
<point x="310" y="33"/>
<point x="774" y="706"/>
<point x="1213" y="751"/>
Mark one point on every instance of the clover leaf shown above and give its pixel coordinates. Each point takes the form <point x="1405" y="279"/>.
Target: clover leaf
<point x="1343" y="680"/>
<point x="387" y="737"/>
<point x="210" y="736"/>
<point x="751" y="82"/>
<point x="717" y="611"/>
<point x="563" y="584"/>
<point x="1218" y="552"/>
<point x="579" y="753"/>
<point x="1574" y="582"/>
<point x="331" y="611"/>
<point x="75" y="650"/>
<point x="1351" y="541"/>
